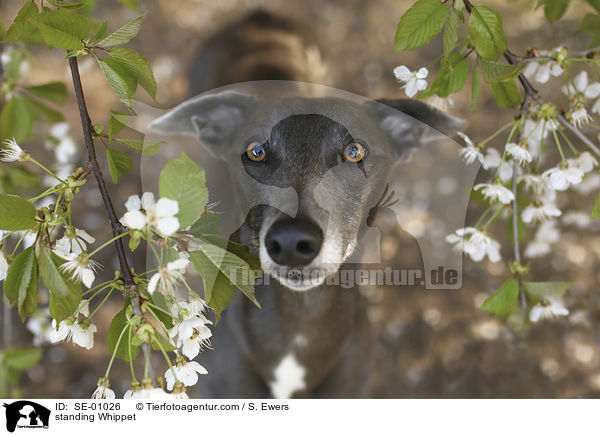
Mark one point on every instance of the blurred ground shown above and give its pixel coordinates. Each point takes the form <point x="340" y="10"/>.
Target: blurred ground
<point x="447" y="347"/>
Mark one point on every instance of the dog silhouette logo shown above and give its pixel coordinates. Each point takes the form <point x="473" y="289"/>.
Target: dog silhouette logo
<point x="26" y="414"/>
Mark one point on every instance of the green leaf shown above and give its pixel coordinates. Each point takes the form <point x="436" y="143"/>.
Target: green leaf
<point x="65" y="294"/>
<point x="554" y="9"/>
<point x="159" y="342"/>
<point x="540" y="290"/>
<point x="450" y="32"/>
<point x="123" y="34"/>
<point x="475" y="85"/>
<point x="595" y="213"/>
<point x="119" y="163"/>
<point x="146" y="148"/>
<point x="21" y="26"/>
<point x="62" y="28"/>
<point x="16" y="213"/>
<point x="53" y="91"/>
<point x="117" y="122"/>
<point x="22" y="282"/>
<point x="209" y="259"/>
<point x="452" y="76"/>
<point x="486" y="32"/>
<point x="506" y="94"/>
<point x="419" y="24"/>
<point x="16" y="120"/>
<point x="115" y="330"/>
<point x="494" y="72"/>
<point x="208" y="223"/>
<point x="238" y="249"/>
<point x="44" y="113"/>
<point x="134" y="5"/>
<point x="137" y="66"/>
<point x="183" y="181"/>
<point x="590" y="24"/>
<point x="22" y="359"/>
<point x="504" y="300"/>
<point x="101" y="31"/>
<point x="595" y="4"/>
<point x="119" y="80"/>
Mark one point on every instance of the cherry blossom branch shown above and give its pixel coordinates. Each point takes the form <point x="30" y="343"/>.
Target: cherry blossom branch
<point x="117" y="230"/>
<point x="579" y="134"/>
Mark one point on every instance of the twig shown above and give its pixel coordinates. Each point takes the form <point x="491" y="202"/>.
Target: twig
<point x="86" y="123"/>
<point x="579" y="134"/>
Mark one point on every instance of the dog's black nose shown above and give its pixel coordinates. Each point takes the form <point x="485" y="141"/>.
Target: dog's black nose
<point x="293" y="242"/>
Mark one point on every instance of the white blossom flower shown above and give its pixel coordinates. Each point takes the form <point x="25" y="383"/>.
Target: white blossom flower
<point x="414" y="80"/>
<point x="80" y="334"/>
<point x="546" y="234"/>
<point x="549" y="308"/>
<point x="3" y="266"/>
<point x="160" y="215"/>
<point x="40" y="326"/>
<point x="561" y="178"/>
<point x="580" y="116"/>
<point x="186" y="373"/>
<point x="469" y="153"/>
<point x="537" y="131"/>
<point x="543" y="71"/>
<point x="441" y="103"/>
<point x="12" y="152"/>
<point x="539" y="212"/>
<point x="168" y="275"/>
<point x="577" y="218"/>
<point x="81" y="267"/>
<point x="191" y="330"/>
<point x="475" y="244"/>
<point x="519" y="153"/>
<point x="585" y="162"/>
<point x="68" y="245"/>
<point x="146" y="393"/>
<point x="581" y="82"/>
<point x="83" y="336"/>
<point x="103" y="392"/>
<point x="496" y="192"/>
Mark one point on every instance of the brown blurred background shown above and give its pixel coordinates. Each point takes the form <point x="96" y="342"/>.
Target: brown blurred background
<point x="436" y="343"/>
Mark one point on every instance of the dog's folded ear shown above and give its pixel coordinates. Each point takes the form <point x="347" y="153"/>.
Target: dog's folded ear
<point x="212" y="118"/>
<point x="410" y="123"/>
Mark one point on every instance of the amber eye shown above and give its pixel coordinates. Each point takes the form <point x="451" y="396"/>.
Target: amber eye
<point x="256" y="152"/>
<point x="354" y="152"/>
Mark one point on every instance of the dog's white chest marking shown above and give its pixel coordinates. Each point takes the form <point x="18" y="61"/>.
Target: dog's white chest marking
<point x="288" y="377"/>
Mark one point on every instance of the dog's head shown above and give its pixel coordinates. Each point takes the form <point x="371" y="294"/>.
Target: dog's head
<point x="334" y="154"/>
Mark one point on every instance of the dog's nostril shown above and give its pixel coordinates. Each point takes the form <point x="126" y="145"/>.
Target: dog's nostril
<point x="293" y="242"/>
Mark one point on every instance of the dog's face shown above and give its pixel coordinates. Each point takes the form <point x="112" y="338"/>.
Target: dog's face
<point x="332" y="157"/>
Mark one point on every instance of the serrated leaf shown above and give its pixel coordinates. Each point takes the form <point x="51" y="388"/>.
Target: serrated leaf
<point x="52" y="91"/>
<point x="494" y="72"/>
<point x="452" y="76"/>
<point x="21" y="26"/>
<point x="506" y="94"/>
<point x="450" y="31"/>
<point x="16" y="120"/>
<point x="22" y="282"/>
<point x="119" y="327"/>
<point x="119" y="163"/>
<point x="62" y="28"/>
<point x="146" y="148"/>
<point x="554" y="9"/>
<point x="22" y="359"/>
<point x="16" y="213"/>
<point x="419" y="24"/>
<point x="595" y="213"/>
<point x="208" y="223"/>
<point x="504" y="300"/>
<point x="541" y="290"/>
<point x="65" y="294"/>
<point x="44" y="113"/>
<point x="137" y="66"/>
<point x="238" y="249"/>
<point x="123" y="34"/>
<point x="120" y="81"/>
<point x="595" y="4"/>
<point x="183" y="181"/>
<point x="475" y="85"/>
<point x="486" y="32"/>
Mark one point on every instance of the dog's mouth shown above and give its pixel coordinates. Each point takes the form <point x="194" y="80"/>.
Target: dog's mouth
<point x="299" y="279"/>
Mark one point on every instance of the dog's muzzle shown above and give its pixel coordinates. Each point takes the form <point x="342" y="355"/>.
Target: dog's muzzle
<point x="293" y="242"/>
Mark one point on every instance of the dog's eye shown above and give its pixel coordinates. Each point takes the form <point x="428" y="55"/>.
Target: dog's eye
<point x="256" y="152"/>
<point x="354" y="152"/>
